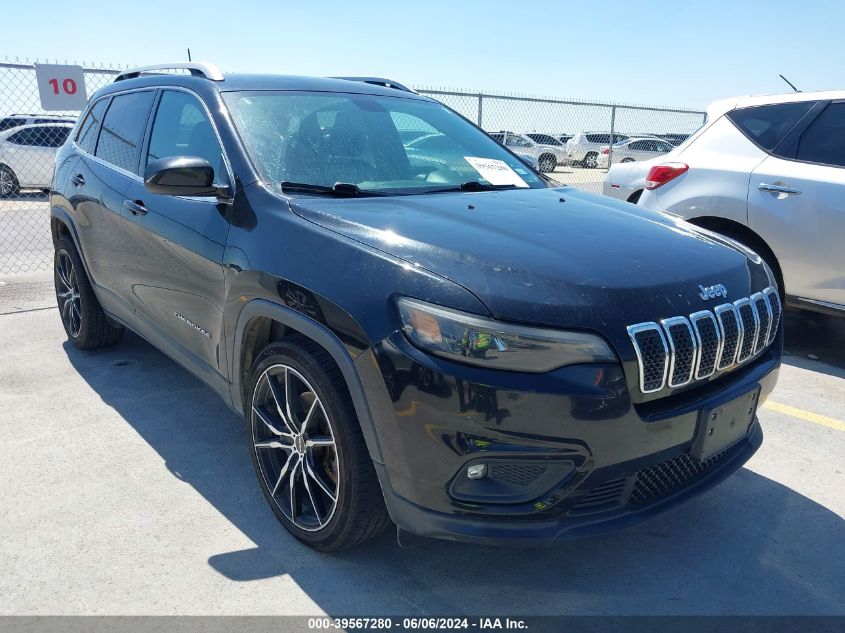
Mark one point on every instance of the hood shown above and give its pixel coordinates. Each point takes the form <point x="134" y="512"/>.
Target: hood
<point x="557" y="257"/>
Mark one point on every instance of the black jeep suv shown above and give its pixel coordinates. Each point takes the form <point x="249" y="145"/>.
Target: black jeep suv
<point x="428" y="333"/>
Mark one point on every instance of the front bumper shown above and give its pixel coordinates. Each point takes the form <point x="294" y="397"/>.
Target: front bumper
<point x="604" y="462"/>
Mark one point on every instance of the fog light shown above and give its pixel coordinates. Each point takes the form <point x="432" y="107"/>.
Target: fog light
<point x="476" y="471"/>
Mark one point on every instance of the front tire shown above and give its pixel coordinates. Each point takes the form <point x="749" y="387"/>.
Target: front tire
<point x="308" y="450"/>
<point x="547" y="163"/>
<point x="84" y="320"/>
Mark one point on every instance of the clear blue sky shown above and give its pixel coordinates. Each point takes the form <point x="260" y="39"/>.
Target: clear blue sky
<point x="681" y="53"/>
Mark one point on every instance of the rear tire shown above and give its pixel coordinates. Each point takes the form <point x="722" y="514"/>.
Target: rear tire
<point x="9" y="185"/>
<point x="84" y="320"/>
<point x="627" y="160"/>
<point x="308" y="450"/>
<point x="590" y="160"/>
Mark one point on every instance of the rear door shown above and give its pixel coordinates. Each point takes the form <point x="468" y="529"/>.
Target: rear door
<point x="101" y="179"/>
<point x="796" y="200"/>
<point x="176" y="243"/>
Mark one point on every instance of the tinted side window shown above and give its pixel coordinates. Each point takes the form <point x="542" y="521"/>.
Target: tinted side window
<point x="123" y="129"/>
<point x="90" y="128"/>
<point x="57" y="136"/>
<point x="637" y="145"/>
<point x="7" y="123"/>
<point x="181" y="128"/>
<point x="599" y="138"/>
<point x="824" y="140"/>
<point x="768" y="125"/>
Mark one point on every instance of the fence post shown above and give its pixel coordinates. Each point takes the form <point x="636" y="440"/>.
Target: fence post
<point x="480" y="108"/>
<point x="612" y="134"/>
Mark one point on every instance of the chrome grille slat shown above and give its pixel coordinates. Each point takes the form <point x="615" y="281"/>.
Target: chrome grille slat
<point x="764" y="314"/>
<point x="730" y="327"/>
<point x="682" y="349"/>
<point x="773" y="299"/>
<point x="653" y="363"/>
<point x="706" y="330"/>
<point x="750" y="325"/>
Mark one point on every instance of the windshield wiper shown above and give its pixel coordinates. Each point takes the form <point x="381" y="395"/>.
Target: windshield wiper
<point x="339" y="189"/>
<point x="473" y="185"/>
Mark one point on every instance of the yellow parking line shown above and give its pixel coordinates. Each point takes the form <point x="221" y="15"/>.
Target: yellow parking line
<point x="808" y="416"/>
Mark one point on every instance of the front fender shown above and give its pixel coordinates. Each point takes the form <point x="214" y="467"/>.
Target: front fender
<point x="322" y="336"/>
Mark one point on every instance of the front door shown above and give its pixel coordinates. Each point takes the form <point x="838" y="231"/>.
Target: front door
<point x="177" y="243"/>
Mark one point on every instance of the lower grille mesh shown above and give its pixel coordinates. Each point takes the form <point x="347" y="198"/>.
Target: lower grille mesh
<point x="661" y="480"/>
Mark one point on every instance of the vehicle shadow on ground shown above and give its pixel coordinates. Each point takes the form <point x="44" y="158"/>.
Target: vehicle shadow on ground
<point x="749" y="546"/>
<point x="815" y="341"/>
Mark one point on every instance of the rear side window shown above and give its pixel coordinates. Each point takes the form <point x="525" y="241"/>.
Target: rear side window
<point x="123" y="129"/>
<point x="21" y="137"/>
<point x="181" y="128"/>
<point x="87" y="136"/>
<point x="598" y="138"/>
<point x="768" y="125"/>
<point x="824" y="141"/>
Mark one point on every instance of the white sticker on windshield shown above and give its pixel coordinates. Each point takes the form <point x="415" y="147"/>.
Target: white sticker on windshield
<point x="496" y="172"/>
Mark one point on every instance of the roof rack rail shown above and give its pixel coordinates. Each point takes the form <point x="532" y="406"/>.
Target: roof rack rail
<point x="197" y="69"/>
<point x="379" y="81"/>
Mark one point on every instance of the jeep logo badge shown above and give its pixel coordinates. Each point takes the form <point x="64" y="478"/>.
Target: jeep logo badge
<point x="710" y="292"/>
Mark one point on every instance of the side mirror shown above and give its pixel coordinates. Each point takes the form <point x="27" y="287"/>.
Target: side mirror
<point x="181" y="176"/>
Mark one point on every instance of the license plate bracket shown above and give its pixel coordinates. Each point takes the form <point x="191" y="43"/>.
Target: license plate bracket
<point x="723" y="425"/>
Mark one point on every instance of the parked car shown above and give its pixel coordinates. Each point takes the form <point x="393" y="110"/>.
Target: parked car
<point x="769" y="172"/>
<point x="634" y="149"/>
<point x="16" y="120"/>
<point x="27" y="156"/>
<point x="674" y="139"/>
<point x="454" y="345"/>
<point x="584" y="148"/>
<point x="548" y="156"/>
<point x="545" y="139"/>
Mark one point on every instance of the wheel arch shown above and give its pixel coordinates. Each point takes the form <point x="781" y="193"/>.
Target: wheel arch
<point x="742" y="233"/>
<point x="61" y="224"/>
<point x="262" y="321"/>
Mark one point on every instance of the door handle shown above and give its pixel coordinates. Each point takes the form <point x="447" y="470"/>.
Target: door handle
<point x="789" y="191"/>
<point x="136" y="207"/>
<point x="78" y="180"/>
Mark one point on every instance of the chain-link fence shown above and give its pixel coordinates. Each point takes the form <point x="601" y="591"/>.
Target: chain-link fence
<point x="569" y="140"/>
<point x="29" y="138"/>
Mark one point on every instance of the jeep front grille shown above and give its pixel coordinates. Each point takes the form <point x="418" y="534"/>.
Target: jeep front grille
<point x="682" y="349"/>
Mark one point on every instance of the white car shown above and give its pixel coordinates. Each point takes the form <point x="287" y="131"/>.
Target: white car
<point x="769" y="172"/>
<point x="27" y="154"/>
<point x="634" y="149"/>
<point x="584" y="148"/>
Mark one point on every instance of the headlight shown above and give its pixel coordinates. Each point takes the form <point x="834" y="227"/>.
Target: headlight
<point x="467" y="338"/>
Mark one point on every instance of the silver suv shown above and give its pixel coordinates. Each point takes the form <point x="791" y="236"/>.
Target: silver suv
<point x="548" y="156"/>
<point x="584" y="148"/>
